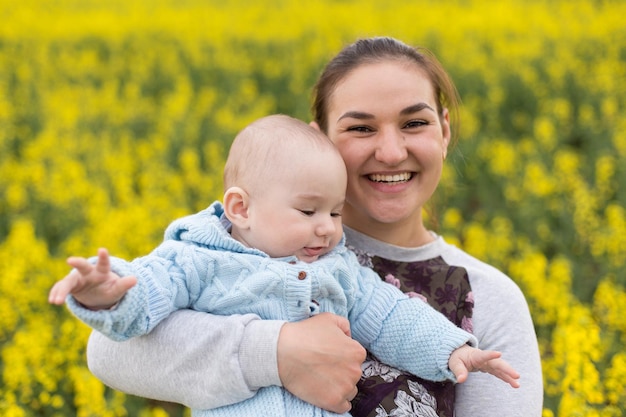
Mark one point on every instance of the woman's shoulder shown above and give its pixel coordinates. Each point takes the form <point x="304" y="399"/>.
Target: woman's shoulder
<point x="497" y="297"/>
<point x="486" y="280"/>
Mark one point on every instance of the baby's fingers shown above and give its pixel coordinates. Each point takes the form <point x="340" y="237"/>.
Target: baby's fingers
<point x="80" y="264"/>
<point x="61" y="289"/>
<point x="101" y="269"/>
<point x="126" y="283"/>
<point x="103" y="264"/>
<point x="501" y="369"/>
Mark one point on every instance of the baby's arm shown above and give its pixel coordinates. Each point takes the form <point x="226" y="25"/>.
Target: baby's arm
<point x="411" y="335"/>
<point x="470" y="359"/>
<point x="415" y="337"/>
<point x="153" y="286"/>
<point x="96" y="287"/>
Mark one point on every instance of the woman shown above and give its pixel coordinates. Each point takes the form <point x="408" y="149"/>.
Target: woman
<point x="388" y="108"/>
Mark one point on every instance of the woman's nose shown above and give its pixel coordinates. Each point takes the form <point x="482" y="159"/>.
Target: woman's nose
<point x="391" y="147"/>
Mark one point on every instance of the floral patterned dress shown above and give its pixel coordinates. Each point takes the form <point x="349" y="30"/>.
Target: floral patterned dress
<point x="386" y="391"/>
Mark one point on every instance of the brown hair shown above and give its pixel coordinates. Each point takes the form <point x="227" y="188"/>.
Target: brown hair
<point x="377" y="49"/>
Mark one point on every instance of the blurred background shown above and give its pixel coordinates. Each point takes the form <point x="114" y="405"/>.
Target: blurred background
<point x="116" y="116"/>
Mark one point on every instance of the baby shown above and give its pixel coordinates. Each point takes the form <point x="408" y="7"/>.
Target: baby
<point x="274" y="248"/>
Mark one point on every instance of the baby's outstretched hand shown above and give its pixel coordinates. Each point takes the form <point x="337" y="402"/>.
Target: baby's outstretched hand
<point x="94" y="286"/>
<point x="469" y="359"/>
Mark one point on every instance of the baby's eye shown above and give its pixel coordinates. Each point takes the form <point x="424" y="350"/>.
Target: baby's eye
<point x="307" y="212"/>
<point x="335" y="214"/>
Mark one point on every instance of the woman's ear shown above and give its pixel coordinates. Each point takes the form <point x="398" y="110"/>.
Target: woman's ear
<point x="446" y="133"/>
<point x="236" y="206"/>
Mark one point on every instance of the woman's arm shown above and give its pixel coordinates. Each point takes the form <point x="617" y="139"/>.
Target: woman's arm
<point x="196" y="359"/>
<point x="502" y="322"/>
<point x="206" y="361"/>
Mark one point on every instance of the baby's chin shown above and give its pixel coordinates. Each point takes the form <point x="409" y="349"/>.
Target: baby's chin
<point x="307" y="259"/>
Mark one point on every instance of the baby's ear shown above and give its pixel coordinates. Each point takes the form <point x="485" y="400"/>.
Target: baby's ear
<point x="315" y="126"/>
<point x="236" y="206"/>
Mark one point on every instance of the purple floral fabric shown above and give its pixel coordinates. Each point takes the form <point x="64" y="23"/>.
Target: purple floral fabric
<point x="386" y="391"/>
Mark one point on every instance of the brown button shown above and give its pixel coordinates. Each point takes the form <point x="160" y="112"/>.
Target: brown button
<point x="292" y="262"/>
<point x="301" y="275"/>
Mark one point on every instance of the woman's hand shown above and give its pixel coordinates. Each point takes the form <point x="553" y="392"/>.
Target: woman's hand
<point x="319" y="362"/>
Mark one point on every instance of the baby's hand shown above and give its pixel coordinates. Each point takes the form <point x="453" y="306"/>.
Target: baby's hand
<point x="468" y="359"/>
<point x="94" y="286"/>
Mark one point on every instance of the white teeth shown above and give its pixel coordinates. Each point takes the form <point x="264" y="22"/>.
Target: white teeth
<point x="391" y="178"/>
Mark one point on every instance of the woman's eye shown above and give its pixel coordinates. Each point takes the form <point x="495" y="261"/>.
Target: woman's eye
<point x="415" y="123"/>
<point x="359" y="129"/>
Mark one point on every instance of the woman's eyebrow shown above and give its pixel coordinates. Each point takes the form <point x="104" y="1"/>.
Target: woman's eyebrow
<point x="416" y="108"/>
<point x="356" y="115"/>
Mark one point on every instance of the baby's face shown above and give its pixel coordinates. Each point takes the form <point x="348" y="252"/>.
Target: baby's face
<point x="300" y="214"/>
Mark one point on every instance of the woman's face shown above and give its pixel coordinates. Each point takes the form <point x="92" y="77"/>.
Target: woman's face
<point x="383" y="118"/>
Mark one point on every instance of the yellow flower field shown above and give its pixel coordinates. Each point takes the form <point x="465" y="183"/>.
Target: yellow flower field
<point x="115" y="118"/>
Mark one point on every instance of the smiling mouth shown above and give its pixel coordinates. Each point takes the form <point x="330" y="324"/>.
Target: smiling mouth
<point x="391" y="179"/>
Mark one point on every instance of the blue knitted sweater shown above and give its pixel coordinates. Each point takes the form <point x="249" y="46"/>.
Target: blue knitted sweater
<point x="200" y="266"/>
